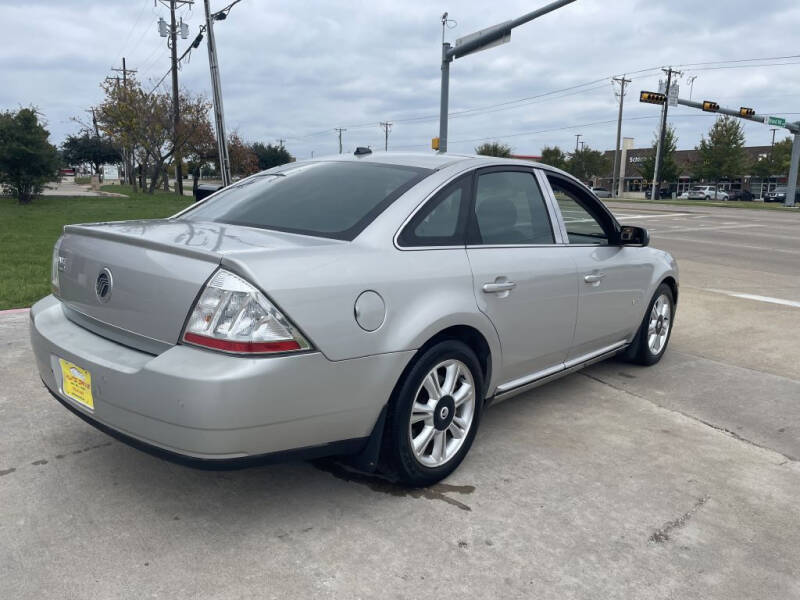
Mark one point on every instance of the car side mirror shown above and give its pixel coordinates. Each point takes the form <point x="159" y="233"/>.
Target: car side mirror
<point x="633" y="236"/>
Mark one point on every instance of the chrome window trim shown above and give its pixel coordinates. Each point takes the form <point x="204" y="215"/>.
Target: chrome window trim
<point x="559" y="230"/>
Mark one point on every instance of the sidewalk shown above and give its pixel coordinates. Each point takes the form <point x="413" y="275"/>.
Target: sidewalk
<point x="68" y="187"/>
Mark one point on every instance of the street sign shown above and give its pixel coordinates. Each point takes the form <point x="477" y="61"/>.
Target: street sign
<point x="673" y="94"/>
<point x="777" y="121"/>
<point x="485" y="32"/>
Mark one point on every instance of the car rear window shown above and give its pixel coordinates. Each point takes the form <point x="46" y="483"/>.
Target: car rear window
<point x="326" y="199"/>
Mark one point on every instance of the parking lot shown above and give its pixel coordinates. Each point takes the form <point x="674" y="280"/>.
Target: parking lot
<point x="675" y="481"/>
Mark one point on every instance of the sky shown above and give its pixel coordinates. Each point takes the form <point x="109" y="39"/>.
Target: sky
<point x="295" y="70"/>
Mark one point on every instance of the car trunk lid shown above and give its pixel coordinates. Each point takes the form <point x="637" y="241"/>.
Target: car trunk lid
<point x="142" y="277"/>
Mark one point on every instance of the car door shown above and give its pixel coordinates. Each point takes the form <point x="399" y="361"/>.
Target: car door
<point x="611" y="278"/>
<point x="523" y="281"/>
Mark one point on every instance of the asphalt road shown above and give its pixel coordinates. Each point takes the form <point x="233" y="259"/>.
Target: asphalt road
<point x="675" y="481"/>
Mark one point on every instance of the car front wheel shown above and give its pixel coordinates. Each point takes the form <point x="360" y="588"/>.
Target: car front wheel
<point x="434" y="415"/>
<point x="653" y="336"/>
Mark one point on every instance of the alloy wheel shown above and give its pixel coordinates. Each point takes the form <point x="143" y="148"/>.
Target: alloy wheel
<point x="659" y="324"/>
<point x="442" y="413"/>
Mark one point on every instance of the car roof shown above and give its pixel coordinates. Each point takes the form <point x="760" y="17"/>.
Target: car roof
<point x="425" y="160"/>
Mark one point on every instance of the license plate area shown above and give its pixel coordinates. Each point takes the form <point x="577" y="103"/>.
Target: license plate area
<point x="76" y="383"/>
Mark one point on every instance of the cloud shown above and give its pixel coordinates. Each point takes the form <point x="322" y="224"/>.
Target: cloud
<point x="297" y="70"/>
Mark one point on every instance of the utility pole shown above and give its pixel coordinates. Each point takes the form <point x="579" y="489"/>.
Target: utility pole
<point x="691" y="84"/>
<point x="339" y="131"/>
<point x="127" y="156"/>
<point x="387" y="126"/>
<point x="660" y="149"/>
<point x="216" y="90"/>
<point x="475" y="42"/>
<point x="622" y="83"/>
<point x="124" y="70"/>
<point x="172" y="44"/>
<point x="578" y="137"/>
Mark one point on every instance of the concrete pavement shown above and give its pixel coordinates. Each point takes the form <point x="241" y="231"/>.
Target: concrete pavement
<point x="675" y="481"/>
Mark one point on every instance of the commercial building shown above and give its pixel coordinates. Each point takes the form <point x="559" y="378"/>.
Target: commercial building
<point x="634" y="180"/>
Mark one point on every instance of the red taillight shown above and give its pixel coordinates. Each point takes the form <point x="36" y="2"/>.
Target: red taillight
<point x="242" y="347"/>
<point x="231" y="315"/>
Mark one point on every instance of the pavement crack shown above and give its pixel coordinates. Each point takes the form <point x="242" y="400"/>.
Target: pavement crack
<point x="661" y="535"/>
<point x="719" y="428"/>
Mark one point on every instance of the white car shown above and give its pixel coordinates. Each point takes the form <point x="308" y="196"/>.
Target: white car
<point x="707" y="192"/>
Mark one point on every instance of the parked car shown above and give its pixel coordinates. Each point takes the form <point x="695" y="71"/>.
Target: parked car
<point x="740" y="195"/>
<point x="663" y="193"/>
<point x="369" y="305"/>
<point x="779" y="195"/>
<point x="601" y="192"/>
<point x="706" y="192"/>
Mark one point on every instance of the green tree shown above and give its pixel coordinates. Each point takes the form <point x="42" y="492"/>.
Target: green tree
<point x="776" y="162"/>
<point x="88" y="147"/>
<point x="135" y="119"/>
<point x="27" y="159"/>
<point x="586" y="163"/>
<point x="669" y="167"/>
<point x="554" y="157"/>
<point x="244" y="161"/>
<point x="271" y="156"/>
<point x="722" y="155"/>
<point x="494" y="149"/>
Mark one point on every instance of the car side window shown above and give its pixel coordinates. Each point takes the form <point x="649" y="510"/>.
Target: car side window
<point x="441" y="222"/>
<point x="582" y="223"/>
<point x="510" y="210"/>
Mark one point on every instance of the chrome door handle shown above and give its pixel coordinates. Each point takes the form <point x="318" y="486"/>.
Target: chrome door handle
<point x="594" y="277"/>
<point x="498" y="287"/>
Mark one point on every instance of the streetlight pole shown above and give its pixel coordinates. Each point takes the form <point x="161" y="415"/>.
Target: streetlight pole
<point x="622" y="83"/>
<point x="475" y="42"/>
<point x="216" y="89"/>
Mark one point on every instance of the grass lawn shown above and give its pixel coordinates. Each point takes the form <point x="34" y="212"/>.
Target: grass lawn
<point x="729" y="204"/>
<point x="27" y="234"/>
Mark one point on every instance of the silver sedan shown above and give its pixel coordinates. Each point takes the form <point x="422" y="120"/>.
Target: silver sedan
<point x="371" y="305"/>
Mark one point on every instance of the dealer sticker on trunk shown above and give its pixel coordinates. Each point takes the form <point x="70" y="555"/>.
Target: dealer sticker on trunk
<point x="76" y="383"/>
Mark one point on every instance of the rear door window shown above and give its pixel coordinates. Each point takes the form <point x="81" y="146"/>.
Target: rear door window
<point x="510" y="210"/>
<point x="326" y="199"/>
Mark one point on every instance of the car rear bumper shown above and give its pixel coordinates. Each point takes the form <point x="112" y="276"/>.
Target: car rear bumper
<point x="205" y="406"/>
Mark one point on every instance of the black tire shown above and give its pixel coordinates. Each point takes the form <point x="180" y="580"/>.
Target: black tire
<point x="639" y="351"/>
<point x="397" y="450"/>
<point x="708" y="198"/>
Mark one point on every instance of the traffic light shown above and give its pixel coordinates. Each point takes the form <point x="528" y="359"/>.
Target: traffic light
<point x="435" y="143"/>
<point x="709" y="106"/>
<point x="747" y="112"/>
<point x="652" y="97"/>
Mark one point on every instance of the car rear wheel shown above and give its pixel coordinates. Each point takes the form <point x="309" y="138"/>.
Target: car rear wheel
<point x="653" y="336"/>
<point x="435" y="414"/>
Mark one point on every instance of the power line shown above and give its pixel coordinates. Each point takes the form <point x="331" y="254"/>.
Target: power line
<point x="553" y="94"/>
<point x="739" y="60"/>
<point x="135" y="23"/>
